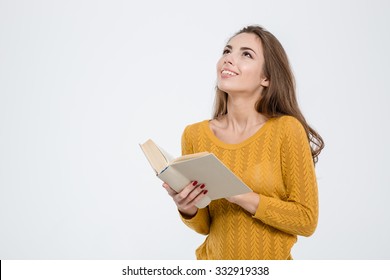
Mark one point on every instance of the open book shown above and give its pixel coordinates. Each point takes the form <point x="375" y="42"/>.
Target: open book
<point x="203" y="167"/>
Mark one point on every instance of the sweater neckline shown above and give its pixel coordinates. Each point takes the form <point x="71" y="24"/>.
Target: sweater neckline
<point x="219" y="142"/>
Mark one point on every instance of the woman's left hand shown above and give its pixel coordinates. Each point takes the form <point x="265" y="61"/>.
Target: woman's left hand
<point x="248" y="201"/>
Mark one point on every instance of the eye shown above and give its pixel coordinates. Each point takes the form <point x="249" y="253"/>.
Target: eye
<point x="247" y="54"/>
<point x="226" y="51"/>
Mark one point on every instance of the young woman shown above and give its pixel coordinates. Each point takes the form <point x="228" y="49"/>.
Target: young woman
<point x="259" y="132"/>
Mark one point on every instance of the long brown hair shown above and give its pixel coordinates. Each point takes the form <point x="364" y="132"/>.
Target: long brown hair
<point x="279" y="98"/>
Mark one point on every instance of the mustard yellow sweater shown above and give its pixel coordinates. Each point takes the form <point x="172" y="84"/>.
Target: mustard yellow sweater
<point x="276" y="164"/>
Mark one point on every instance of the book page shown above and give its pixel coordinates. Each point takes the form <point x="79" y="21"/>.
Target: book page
<point x="155" y="156"/>
<point x="190" y="156"/>
<point x="166" y="155"/>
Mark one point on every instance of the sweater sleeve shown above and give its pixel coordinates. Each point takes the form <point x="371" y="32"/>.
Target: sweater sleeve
<point x="298" y="214"/>
<point x="201" y="221"/>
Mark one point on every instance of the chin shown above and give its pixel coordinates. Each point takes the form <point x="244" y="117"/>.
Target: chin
<point x="230" y="90"/>
<point x="226" y="87"/>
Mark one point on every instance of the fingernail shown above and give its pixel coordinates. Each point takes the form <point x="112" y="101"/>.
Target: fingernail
<point x="194" y="183"/>
<point x="205" y="191"/>
<point x="202" y="186"/>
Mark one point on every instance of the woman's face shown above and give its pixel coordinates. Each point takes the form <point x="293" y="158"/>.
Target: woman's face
<point x="240" y="69"/>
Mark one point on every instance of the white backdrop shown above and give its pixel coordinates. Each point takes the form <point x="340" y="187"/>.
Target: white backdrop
<point x="83" y="82"/>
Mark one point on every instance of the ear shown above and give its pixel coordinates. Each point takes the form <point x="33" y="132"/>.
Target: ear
<point x="264" y="82"/>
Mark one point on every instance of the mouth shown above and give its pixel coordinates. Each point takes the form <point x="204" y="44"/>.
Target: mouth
<point x="228" y="73"/>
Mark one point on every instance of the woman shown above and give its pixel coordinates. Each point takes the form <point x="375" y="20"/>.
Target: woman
<point x="259" y="132"/>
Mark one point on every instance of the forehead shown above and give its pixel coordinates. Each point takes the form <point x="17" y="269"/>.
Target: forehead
<point x="248" y="40"/>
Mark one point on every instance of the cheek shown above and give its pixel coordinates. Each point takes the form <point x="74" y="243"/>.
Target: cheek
<point x="219" y="65"/>
<point x="253" y="74"/>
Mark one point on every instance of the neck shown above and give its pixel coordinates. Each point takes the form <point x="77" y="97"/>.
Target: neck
<point x="242" y="113"/>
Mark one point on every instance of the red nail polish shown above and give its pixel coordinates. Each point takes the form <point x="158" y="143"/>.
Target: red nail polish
<point x="202" y="186"/>
<point x="205" y="191"/>
<point x="194" y="183"/>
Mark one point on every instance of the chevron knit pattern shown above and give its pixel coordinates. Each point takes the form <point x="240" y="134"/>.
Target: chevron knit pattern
<point x="276" y="164"/>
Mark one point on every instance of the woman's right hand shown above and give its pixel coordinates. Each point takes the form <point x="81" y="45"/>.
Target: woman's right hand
<point x="186" y="199"/>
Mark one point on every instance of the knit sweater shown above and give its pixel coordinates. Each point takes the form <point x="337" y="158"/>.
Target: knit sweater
<point x="276" y="164"/>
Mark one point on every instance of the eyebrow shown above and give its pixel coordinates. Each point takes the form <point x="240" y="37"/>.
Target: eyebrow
<point x="242" y="48"/>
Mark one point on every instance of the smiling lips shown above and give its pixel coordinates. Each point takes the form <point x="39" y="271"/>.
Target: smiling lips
<point x="225" y="73"/>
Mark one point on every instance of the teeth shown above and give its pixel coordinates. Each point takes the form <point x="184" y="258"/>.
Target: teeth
<point x="228" y="73"/>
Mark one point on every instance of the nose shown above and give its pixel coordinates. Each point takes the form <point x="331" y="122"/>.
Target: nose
<point x="228" y="59"/>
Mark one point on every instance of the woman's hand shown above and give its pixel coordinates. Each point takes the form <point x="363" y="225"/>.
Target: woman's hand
<point x="187" y="198"/>
<point x="248" y="201"/>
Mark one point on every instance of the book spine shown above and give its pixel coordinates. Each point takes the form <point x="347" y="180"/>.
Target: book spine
<point x="178" y="181"/>
<point x="174" y="178"/>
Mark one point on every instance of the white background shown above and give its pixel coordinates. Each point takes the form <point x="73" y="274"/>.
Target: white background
<point x="82" y="83"/>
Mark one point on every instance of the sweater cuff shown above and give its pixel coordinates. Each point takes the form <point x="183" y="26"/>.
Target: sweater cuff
<point x="263" y="205"/>
<point x="195" y="219"/>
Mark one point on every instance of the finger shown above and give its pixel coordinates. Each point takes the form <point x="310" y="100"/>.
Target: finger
<point x="192" y="197"/>
<point x="199" y="197"/>
<point x="170" y="191"/>
<point x="196" y="192"/>
<point x="187" y="204"/>
<point x="183" y="194"/>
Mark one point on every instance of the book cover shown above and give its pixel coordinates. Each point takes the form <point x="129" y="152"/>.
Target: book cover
<point x="203" y="167"/>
